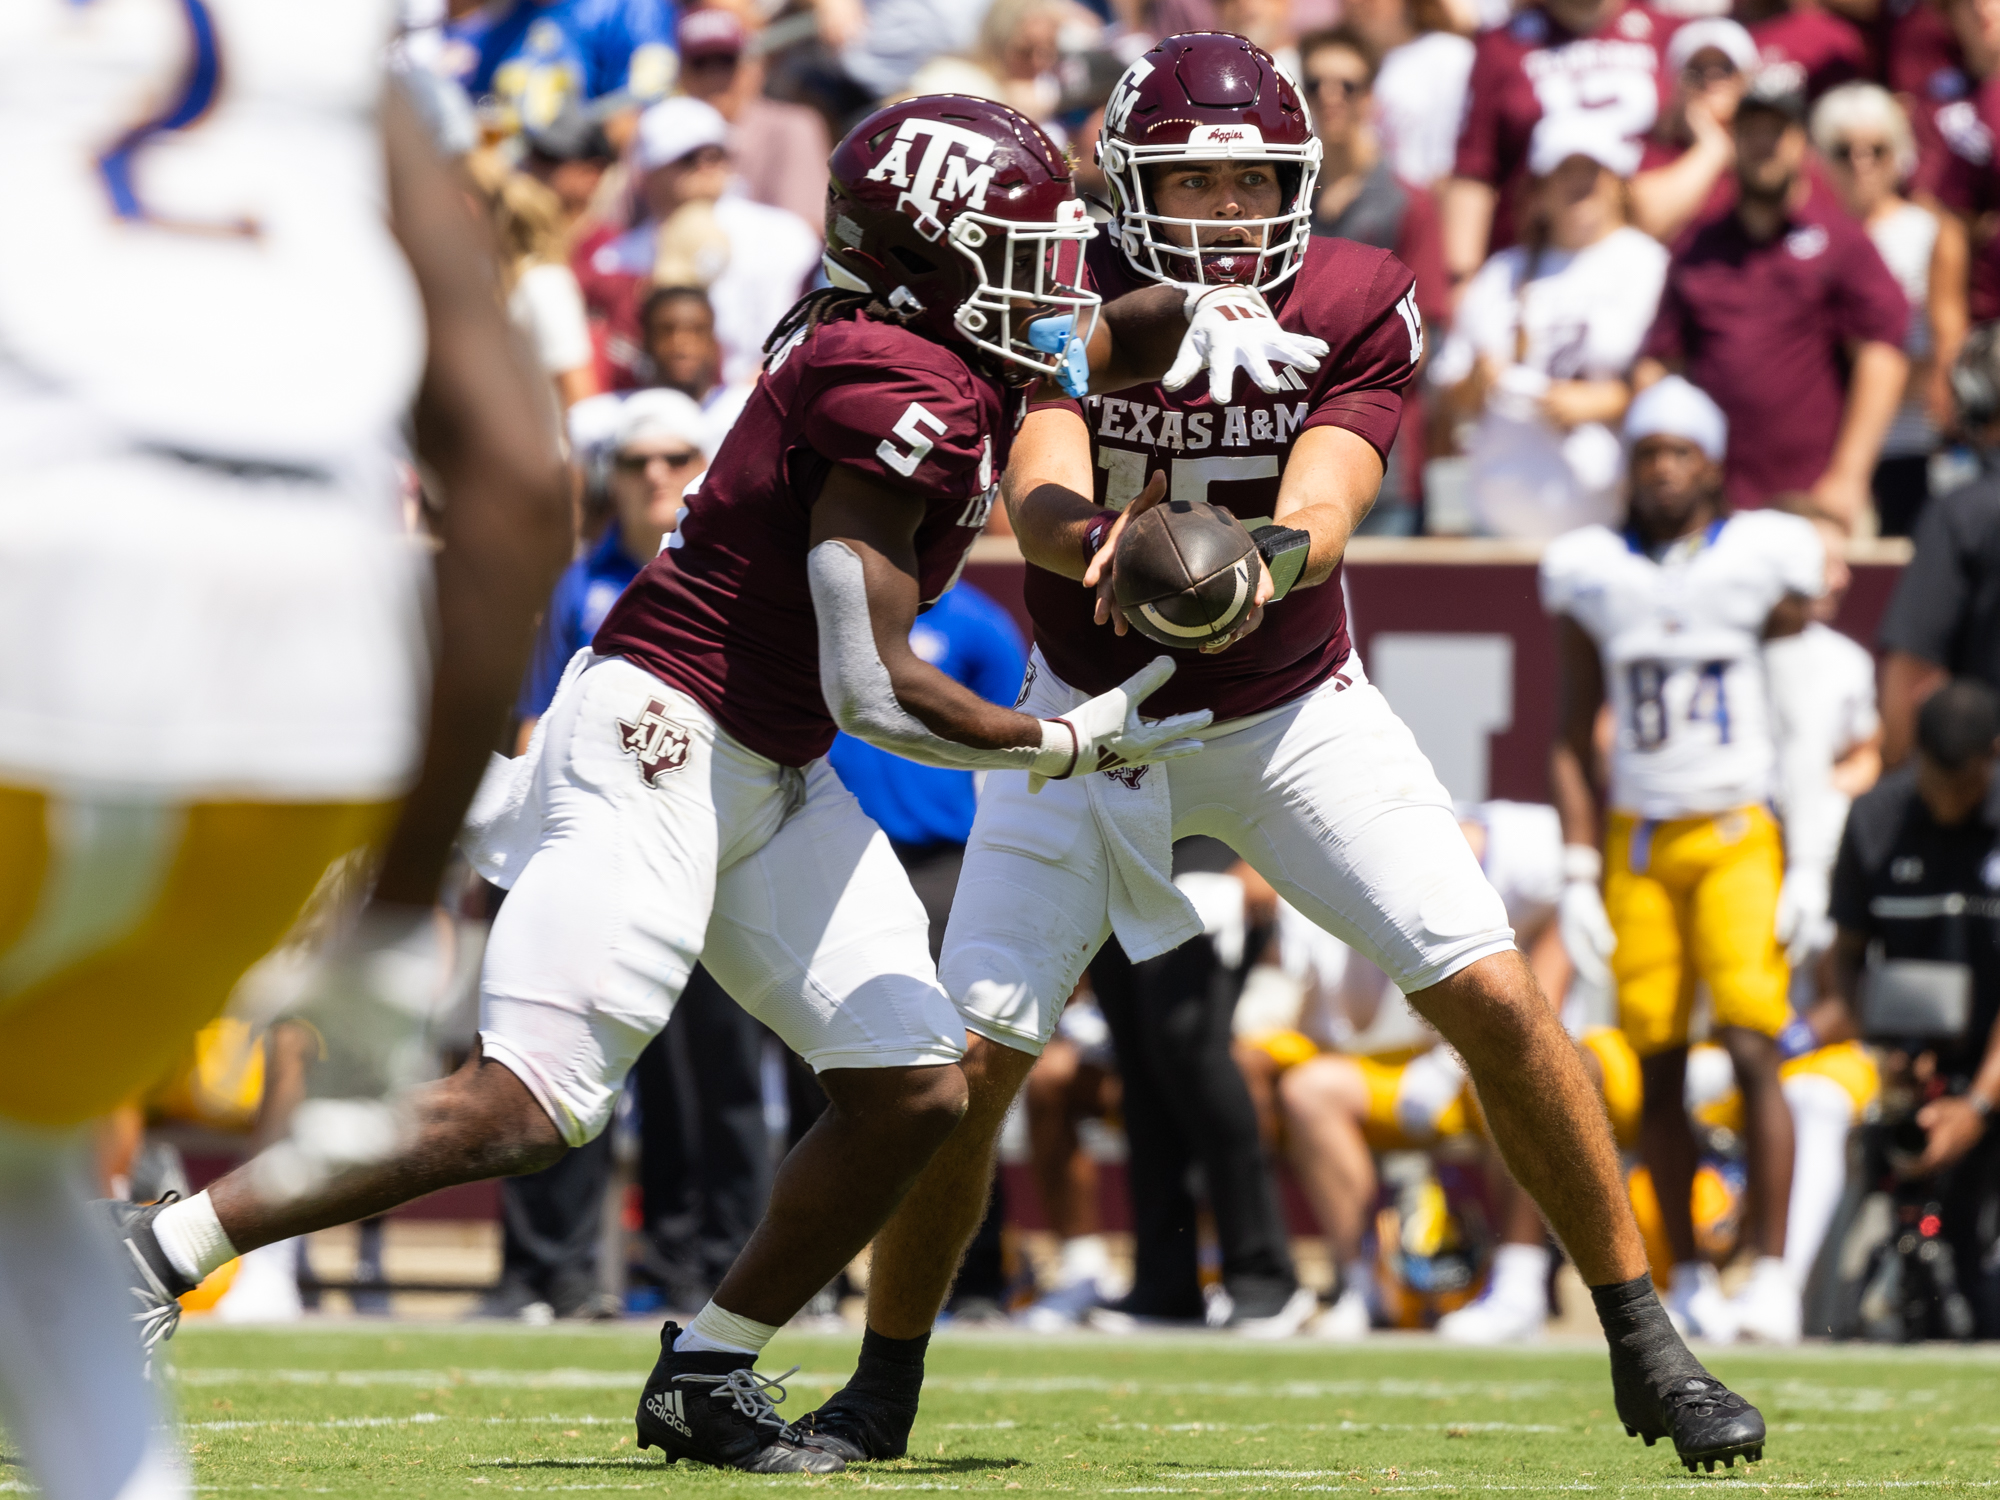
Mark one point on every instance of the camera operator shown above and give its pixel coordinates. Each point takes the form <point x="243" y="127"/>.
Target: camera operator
<point x="1916" y="896"/>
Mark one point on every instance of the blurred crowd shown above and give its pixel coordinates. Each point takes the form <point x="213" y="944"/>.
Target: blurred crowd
<point x="1786" y="204"/>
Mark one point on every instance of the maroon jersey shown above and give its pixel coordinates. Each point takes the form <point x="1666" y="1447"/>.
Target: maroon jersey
<point x="726" y="614"/>
<point x="1970" y="183"/>
<point x="1362" y="301"/>
<point x="1763" y="328"/>
<point x="1828" y="50"/>
<point x="1533" y="66"/>
<point x="1920" y="52"/>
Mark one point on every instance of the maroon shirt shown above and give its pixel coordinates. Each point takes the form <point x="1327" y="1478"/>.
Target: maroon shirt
<point x="1361" y="300"/>
<point x="1969" y="182"/>
<point x="1920" y="52"/>
<point x="1531" y="66"/>
<point x="1763" y="329"/>
<point x="726" y="614"/>
<point x="1828" y="50"/>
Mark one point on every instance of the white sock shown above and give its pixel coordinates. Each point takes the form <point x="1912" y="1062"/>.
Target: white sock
<point x="1768" y="1269"/>
<point x="1521" y="1275"/>
<point x="192" y="1236"/>
<point x="716" y="1331"/>
<point x="1357" y="1276"/>
<point x="1084" y="1258"/>
<point x="1689" y="1277"/>
<point x="1822" y="1114"/>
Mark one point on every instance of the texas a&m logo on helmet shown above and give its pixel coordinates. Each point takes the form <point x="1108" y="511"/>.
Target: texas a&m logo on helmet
<point x="961" y="214"/>
<point x="1200" y="97"/>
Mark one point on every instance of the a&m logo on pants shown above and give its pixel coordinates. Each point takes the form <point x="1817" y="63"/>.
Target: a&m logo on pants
<point x="655" y="741"/>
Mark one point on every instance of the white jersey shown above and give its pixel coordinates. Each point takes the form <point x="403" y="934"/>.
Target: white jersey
<point x="207" y="339"/>
<point x="1523" y="860"/>
<point x="1823" y="706"/>
<point x="1680" y="641"/>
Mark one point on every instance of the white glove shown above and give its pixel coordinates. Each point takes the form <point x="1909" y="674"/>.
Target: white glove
<point x="1803" y="926"/>
<point x="1107" y="731"/>
<point x="1580" y="916"/>
<point x="1231" y="328"/>
<point x="1426" y="1090"/>
<point x="371" y="1002"/>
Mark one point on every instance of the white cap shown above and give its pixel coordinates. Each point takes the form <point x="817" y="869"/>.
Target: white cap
<point x="674" y="128"/>
<point x="1719" y="32"/>
<point x="1580" y="132"/>
<point x="1677" y="408"/>
<point x="662" y="414"/>
<point x="593" y="423"/>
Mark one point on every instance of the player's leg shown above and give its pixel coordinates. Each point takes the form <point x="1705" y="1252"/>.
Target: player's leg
<point x="1828" y="1090"/>
<point x="1029" y="914"/>
<point x="1735" y="948"/>
<point x="819" y="935"/>
<point x="1325" y="1102"/>
<point x="1333" y="803"/>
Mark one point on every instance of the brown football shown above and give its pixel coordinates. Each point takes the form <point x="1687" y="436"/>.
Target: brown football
<point x="1185" y="573"/>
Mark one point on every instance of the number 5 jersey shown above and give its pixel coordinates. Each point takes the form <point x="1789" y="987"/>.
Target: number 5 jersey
<point x="1680" y="634"/>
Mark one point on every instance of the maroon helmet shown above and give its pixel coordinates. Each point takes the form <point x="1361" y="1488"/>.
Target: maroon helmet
<point x="962" y="213"/>
<point x="1208" y="96"/>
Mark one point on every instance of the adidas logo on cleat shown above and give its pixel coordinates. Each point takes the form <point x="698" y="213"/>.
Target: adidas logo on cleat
<point x="666" y="1405"/>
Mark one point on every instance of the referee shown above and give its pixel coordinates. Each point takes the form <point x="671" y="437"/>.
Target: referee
<point x="1919" y="875"/>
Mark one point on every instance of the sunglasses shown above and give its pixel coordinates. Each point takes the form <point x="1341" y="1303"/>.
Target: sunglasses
<point x="1349" y="87"/>
<point x="722" y="62"/>
<point x="638" y="463"/>
<point x="1853" y="151"/>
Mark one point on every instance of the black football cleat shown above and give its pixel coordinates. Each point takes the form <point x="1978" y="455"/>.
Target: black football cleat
<point x="858" y="1428"/>
<point x="713" y="1408"/>
<point x="156" y="1285"/>
<point x="1707" y="1421"/>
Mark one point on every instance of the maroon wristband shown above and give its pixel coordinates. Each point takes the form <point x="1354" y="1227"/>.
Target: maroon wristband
<point x="1096" y="531"/>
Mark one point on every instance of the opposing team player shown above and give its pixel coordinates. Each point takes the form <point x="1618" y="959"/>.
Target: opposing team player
<point x="1307" y="774"/>
<point x="212" y="655"/>
<point x="1666" y="619"/>
<point x="675" y="803"/>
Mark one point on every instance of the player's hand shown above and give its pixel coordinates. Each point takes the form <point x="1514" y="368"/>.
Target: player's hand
<point x="1953" y="1128"/>
<point x="1107" y="731"/>
<point x="1581" y="920"/>
<point x="1232" y="328"/>
<point x="1097" y="576"/>
<point x="1803" y="927"/>
<point x="1252" y="617"/>
<point x="369" y="1004"/>
<point x="1427" y="1088"/>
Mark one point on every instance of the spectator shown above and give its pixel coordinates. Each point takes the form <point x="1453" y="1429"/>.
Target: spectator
<point x="1014" y="60"/>
<point x="900" y="36"/>
<point x="660" y="450"/>
<point x="1862" y="133"/>
<point x="542" y="58"/>
<point x="1360" y="198"/>
<point x="1687" y="170"/>
<point x="1944" y="619"/>
<point x="1783" y="312"/>
<point x="780" y="149"/>
<point x="1967" y="177"/>
<point x="678" y="327"/>
<point x="753" y="259"/>
<point x="1420" y="84"/>
<point x="1544" y="334"/>
<point x="1550" y="59"/>
<point x="569" y="158"/>
<point x="1268" y="23"/>
<point x="1818" y="49"/>
<point x="543" y="299"/>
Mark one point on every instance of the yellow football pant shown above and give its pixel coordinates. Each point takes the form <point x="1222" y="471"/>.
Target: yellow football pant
<point x="1695" y="899"/>
<point x="110" y="1014"/>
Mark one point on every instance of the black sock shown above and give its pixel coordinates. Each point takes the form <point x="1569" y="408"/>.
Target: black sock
<point x="890" y="1369"/>
<point x="1634" y="1321"/>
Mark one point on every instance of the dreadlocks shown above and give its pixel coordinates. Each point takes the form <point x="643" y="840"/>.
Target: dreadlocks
<point x="830" y="304"/>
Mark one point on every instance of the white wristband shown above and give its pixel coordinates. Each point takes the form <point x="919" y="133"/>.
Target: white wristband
<point x="1581" y="862"/>
<point x="1060" y="749"/>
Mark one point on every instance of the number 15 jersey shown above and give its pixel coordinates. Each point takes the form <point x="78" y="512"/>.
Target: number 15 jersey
<point x="1681" y="640"/>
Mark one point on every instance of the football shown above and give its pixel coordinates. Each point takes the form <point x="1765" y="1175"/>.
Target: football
<point x="1185" y="573"/>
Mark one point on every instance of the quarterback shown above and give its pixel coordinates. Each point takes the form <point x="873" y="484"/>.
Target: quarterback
<point x="213" y="669"/>
<point x="1306" y="772"/>
<point x="1667" y="620"/>
<point x="675" y="803"/>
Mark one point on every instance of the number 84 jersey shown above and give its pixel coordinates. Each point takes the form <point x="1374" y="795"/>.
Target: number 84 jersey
<point x="1680" y="634"/>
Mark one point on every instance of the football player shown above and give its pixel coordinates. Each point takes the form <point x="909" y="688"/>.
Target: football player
<point x="675" y="802"/>
<point x="1666" y="620"/>
<point x="213" y="667"/>
<point x="1311" y="779"/>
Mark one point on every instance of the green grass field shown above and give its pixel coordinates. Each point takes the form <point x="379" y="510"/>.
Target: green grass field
<point x="430" y="1410"/>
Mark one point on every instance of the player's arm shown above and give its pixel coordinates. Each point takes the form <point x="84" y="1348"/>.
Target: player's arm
<point x="1573" y="759"/>
<point x="862" y="566"/>
<point x="1047" y="489"/>
<point x="1331" y="480"/>
<point x="485" y="430"/>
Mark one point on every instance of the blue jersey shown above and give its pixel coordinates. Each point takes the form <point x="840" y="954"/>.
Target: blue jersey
<point x="972" y="640"/>
<point x="583" y="597"/>
<point x="542" y="56"/>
